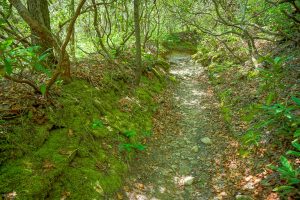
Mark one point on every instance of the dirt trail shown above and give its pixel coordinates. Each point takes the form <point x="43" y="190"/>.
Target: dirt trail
<point x="185" y="164"/>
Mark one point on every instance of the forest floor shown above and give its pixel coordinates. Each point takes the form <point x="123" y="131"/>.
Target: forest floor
<point x="192" y="155"/>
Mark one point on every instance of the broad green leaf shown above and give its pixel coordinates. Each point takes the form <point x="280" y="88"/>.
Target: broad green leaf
<point x="294" y="181"/>
<point x="282" y="188"/>
<point x="270" y="98"/>
<point x="285" y="163"/>
<point x="7" y="43"/>
<point x="277" y="60"/>
<point x="97" y="124"/>
<point x="297" y="133"/>
<point x="285" y="173"/>
<point x="41" y="68"/>
<point x="296" y="100"/>
<point x="43" y="89"/>
<point x="294" y="153"/>
<point x="43" y="57"/>
<point x="8" y="66"/>
<point x="296" y="144"/>
<point x="139" y="147"/>
<point x="130" y="133"/>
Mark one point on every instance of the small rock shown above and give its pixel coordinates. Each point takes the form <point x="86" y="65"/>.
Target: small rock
<point x="195" y="149"/>
<point x="162" y="189"/>
<point x="242" y="197"/>
<point x="249" y="186"/>
<point x="189" y="180"/>
<point x="206" y="140"/>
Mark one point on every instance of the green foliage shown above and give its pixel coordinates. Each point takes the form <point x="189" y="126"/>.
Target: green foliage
<point x="251" y="138"/>
<point x="290" y="175"/>
<point x="279" y="118"/>
<point x="129" y="147"/>
<point x="130" y="134"/>
<point x="181" y="41"/>
<point x="77" y="141"/>
<point x="97" y="124"/>
<point x="17" y="60"/>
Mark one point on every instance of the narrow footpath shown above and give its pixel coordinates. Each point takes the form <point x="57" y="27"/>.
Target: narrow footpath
<point x="187" y="161"/>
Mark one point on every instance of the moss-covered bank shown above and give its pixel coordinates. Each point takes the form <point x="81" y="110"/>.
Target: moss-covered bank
<point x="81" y="149"/>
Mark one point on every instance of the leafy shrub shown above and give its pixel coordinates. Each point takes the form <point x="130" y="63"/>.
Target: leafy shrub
<point x="131" y="146"/>
<point x="289" y="173"/>
<point x="18" y="62"/>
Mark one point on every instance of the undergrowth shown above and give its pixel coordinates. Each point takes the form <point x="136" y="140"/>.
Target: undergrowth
<point x="181" y="41"/>
<point x="261" y="106"/>
<point x="78" y="147"/>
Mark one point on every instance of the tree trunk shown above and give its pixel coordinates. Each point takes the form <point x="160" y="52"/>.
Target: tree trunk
<point x="73" y="42"/>
<point x="48" y="39"/>
<point x="39" y="11"/>
<point x="138" y="54"/>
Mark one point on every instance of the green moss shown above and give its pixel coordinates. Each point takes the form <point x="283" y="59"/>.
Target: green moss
<point x="71" y="156"/>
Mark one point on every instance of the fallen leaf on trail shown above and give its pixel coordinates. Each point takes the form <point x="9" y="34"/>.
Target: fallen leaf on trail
<point x="70" y="133"/>
<point x="273" y="196"/>
<point x="120" y="197"/>
<point x="47" y="165"/>
<point x="65" y="195"/>
<point x="140" y="186"/>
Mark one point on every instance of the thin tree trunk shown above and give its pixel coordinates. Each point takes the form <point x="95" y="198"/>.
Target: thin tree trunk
<point x="73" y="41"/>
<point x="138" y="54"/>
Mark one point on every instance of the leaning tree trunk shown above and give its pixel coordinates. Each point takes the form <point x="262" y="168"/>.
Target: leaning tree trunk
<point x="39" y="11"/>
<point x="48" y="39"/>
<point x="138" y="54"/>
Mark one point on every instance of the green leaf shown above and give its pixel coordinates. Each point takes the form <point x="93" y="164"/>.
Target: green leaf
<point x="4" y="45"/>
<point x="294" y="153"/>
<point x="293" y="181"/>
<point x="296" y="144"/>
<point x="139" y="147"/>
<point x="130" y="133"/>
<point x="43" y="89"/>
<point x="297" y="133"/>
<point x="2" y="21"/>
<point x="127" y="147"/>
<point x="296" y="100"/>
<point x="41" y="68"/>
<point x="283" y="188"/>
<point x="97" y="124"/>
<point x="8" y="66"/>
<point x="43" y="57"/>
<point x="270" y="98"/>
<point x="277" y="60"/>
<point x="286" y="164"/>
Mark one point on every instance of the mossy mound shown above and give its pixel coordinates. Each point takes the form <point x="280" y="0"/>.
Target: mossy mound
<point x="76" y="153"/>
